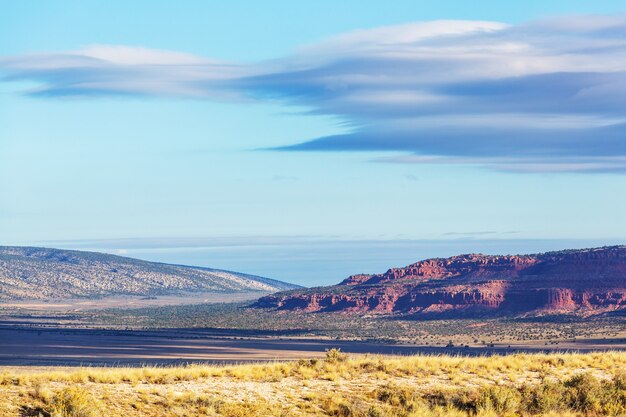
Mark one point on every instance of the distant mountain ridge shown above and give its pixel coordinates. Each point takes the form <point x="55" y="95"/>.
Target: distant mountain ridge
<point x="43" y="273"/>
<point x="569" y="280"/>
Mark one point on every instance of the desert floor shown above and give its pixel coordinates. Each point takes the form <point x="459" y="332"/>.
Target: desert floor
<point x="335" y="385"/>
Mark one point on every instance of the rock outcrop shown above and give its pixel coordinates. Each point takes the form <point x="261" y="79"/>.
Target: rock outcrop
<point x="564" y="281"/>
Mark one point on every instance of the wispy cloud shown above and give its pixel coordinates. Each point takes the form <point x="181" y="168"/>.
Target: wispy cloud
<point x="182" y="242"/>
<point x="102" y="70"/>
<point x="476" y="233"/>
<point x="546" y="96"/>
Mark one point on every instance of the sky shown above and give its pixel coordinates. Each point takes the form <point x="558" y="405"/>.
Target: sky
<point x="307" y="142"/>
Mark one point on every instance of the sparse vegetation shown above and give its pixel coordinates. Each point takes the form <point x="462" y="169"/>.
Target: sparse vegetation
<point x="44" y="274"/>
<point x="271" y="334"/>
<point x="547" y="331"/>
<point x="338" y="385"/>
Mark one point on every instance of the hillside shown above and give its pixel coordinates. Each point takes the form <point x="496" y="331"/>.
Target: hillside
<point x="42" y="273"/>
<point x="572" y="280"/>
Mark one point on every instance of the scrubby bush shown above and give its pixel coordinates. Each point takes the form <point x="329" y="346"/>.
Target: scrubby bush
<point x="74" y="402"/>
<point x="543" y="398"/>
<point x="584" y="393"/>
<point x="335" y="355"/>
<point x="337" y="407"/>
<point x="498" y="399"/>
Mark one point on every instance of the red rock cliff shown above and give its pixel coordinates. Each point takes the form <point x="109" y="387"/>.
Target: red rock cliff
<point x="589" y="279"/>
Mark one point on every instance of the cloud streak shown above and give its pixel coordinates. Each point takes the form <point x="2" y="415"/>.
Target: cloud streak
<point x="106" y="70"/>
<point x="545" y="96"/>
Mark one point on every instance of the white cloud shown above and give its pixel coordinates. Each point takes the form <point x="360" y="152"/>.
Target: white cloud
<point x="547" y="95"/>
<point x="127" y="55"/>
<point x="113" y="69"/>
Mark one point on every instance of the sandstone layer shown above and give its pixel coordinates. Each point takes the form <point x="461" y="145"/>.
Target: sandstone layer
<point x="588" y="280"/>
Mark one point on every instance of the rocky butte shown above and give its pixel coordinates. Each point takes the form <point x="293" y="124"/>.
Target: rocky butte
<point x="586" y="280"/>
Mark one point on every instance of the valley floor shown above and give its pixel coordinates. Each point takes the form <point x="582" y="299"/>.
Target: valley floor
<point x="335" y="385"/>
<point x="67" y="346"/>
<point x="233" y="332"/>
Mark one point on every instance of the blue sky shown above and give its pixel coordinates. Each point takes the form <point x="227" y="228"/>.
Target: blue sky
<point x="306" y="142"/>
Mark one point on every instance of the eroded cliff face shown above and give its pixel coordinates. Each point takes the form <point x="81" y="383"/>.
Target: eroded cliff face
<point x="578" y="280"/>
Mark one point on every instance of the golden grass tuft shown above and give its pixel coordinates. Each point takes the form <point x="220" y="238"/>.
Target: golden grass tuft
<point x="74" y="402"/>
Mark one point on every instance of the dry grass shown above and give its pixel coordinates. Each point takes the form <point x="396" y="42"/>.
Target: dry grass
<point x="370" y="386"/>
